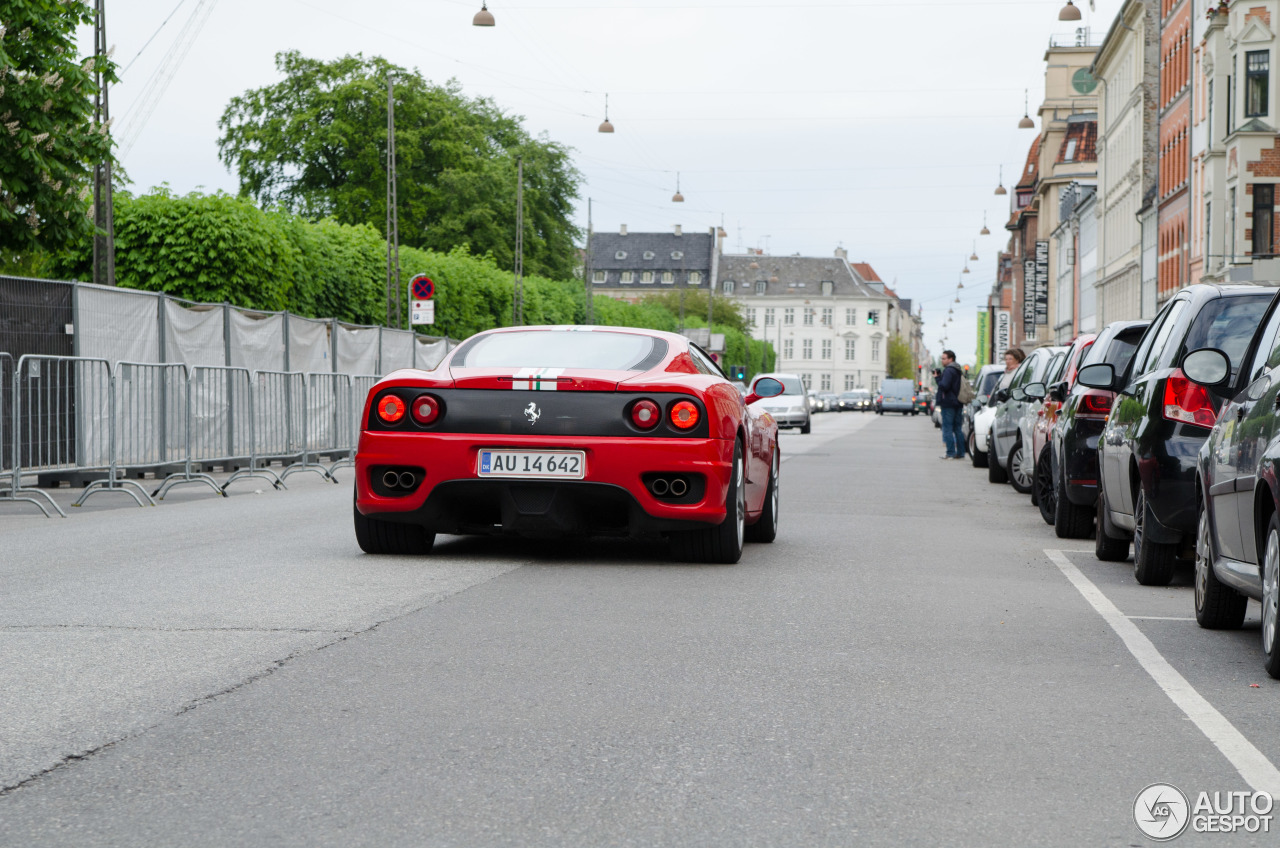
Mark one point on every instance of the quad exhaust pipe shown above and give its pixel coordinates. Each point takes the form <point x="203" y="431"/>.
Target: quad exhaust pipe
<point x="672" y="487"/>
<point x="405" y="480"/>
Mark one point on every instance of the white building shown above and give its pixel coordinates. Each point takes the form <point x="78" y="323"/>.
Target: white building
<point x="825" y="322"/>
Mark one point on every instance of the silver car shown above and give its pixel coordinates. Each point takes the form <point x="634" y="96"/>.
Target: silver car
<point x="791" y="408"/>
<point x="1007" y="460"/>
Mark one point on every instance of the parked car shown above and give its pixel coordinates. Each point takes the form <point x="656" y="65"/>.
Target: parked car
<point x="1009" y="458"/>
<point x="1237" y="529"/>
<point x="791" y="408"/>
<point x="1078" y="428"/>
<point x="897" y="396"/>
<point x="1148" y="449"/>
<point x="984" y="385"/>
<point x="1055" y="387"/>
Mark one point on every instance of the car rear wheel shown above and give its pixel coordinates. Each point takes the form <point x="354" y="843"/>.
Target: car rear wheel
<point x="1218" y="607"/>
<point x="1152" y="561"/>
<point x="766" y="529"/>
<point x="1046" y="495"/>
<point x="995" y="471"/>
<point x="1105" y="547"/>
<point x="722" y="543"/>
<point x="1069" y="520"/>
<point x="978" y="457"/>
<point x="1019" y="477"/>
<point x="1271" y="598"/>
<point x="376" y="536"/>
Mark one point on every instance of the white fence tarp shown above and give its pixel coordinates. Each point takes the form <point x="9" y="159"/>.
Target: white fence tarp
<point x="309" y="345"/>
<point x="118" y="325"/>
<point x="430" y="352"/>
<point x="194" y="336"/>
<point x="357" y="350"/>
<point x="257" y="341"/>
<point x="397" y="350"/>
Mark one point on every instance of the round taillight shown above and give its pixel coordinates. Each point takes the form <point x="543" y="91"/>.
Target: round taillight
<point x="684" y="415"/>
<point x="645" y="414"/>
<point x="426" y="409"/>
<point x="390" y="409"/>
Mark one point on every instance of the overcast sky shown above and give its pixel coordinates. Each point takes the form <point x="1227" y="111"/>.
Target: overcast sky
<point x="801" y="125"/>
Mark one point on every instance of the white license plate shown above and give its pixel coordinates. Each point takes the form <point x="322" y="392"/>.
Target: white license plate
<point x="562" y="465"/>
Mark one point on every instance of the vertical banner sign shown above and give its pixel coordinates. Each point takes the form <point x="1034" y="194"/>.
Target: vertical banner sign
<point x="984" y="338"/>
<point x="1029" y="297"/>
<point x="422" y="309"/>
<point x="1004" y="327"/>
<point x="1042" y="283"/>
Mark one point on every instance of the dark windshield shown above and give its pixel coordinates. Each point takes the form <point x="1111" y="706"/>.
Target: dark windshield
<point x="989" y="381"/>
<point x="1228" y="324"/>
<point x="579" y="349"/>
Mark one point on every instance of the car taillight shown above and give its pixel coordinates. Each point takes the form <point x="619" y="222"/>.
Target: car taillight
<point x="426" y="409"/>
<point x="645" y="414"/>
<point x="684" y="415"/>
<point x="1188" y="402"/>
<point x="1094" y="403"/>
<point x="390" y="409"/>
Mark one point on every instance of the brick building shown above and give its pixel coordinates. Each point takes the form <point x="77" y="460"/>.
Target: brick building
<point x="1174" y="130"/>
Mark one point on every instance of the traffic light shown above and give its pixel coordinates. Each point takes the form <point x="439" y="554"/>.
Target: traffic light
<point x="966" y="370"/>
<point x="739" y="372"/>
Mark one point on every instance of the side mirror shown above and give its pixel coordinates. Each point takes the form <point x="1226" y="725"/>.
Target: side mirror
<point x="1099" y="376"/>
<point x="981" y="400"/>
<point x="1058" y="392"/>
<point x="1017" y="394"/>
<point x="1035" y="391"/>
<point x="1207" y="366"/>
<point x="766" y="387"/>
<point x="1000" y="396"/>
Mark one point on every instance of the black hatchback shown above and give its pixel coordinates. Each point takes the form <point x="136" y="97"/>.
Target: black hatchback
<point x="1160" y="418"/>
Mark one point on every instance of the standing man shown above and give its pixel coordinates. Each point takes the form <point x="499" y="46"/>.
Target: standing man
<point x="948" y="402"/>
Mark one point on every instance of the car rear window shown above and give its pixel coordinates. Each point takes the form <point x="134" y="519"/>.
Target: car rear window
<point x="1121" y="349"/>
<point x="1228" y="324"/>
<point x="600" y="350"/>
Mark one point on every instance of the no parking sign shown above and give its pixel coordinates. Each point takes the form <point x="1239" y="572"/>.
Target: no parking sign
<point x="422" y="309"/>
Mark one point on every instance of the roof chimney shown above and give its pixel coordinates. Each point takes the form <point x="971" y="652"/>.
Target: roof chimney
<point x="841" y="253"/>
<point x="623" y="230"/>
<point x="679" y="230"/>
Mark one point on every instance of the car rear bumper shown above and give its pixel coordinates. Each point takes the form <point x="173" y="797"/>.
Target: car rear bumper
<point x="612" y="498"/>
<point x="1079" y="468"/>
<point x="897" y="406"/>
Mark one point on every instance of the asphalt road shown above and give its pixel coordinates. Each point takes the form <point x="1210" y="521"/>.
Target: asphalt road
<point x="905" y="665"/>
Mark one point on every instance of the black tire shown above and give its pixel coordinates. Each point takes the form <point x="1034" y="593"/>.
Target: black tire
<point x="723" y="543"/>
<point x="979" y="458"/>
<point x="995" y="471"/>
<point x="1152" y="561"/>
<point x="806" y="427"/>
<point x="1046" y="496"/>
<point x="1071" y="521"/>
<point x="1015" y="458"/>
<point x="387" y="537"/>
<point x="1218" y="606"/>
<point x="766" y="528"/>
<point x="1271" y="598"/>
<point x="1107" y="548"/>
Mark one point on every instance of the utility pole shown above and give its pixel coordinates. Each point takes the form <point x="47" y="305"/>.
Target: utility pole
<point x="517" y="297"/>
<point x="589" y="315"/>
<point x="104" y="242"/>
<point x="393" y="218"/>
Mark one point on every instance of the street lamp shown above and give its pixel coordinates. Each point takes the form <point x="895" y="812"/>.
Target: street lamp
<point x="485" y="18"/>
<point x="984" y="231"/>
<point x="1000" y="189"/>
<point x="677" y="197"/>
<point x="1026" y="123"/>
<point x="605" y="126"/>
<point x="1069" y="12"/>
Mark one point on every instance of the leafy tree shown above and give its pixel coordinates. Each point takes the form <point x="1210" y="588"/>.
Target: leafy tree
<point x="725" y="310"/>
<point x="315" y="144"/>
<point x="900" y="360"/>
<point x="48" y="139"/>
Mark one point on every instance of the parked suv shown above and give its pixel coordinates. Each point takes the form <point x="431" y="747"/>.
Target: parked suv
<point x="1074" y="445"/>
<point x="1009" y="459"/>
<point x="791" y="408"/>
<point x="1158" y="423"/>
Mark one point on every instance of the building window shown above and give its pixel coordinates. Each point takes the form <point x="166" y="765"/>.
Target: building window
<point x="875" y="384"/>
<point x="761" y="287"/>
<point x="873" y="317"/>
<point x="826" y="348"/>
<point x="626" y="277"/>
<point x="875" y="350"/>
<point x="621" y="254"/>
<point x="646" y="276"/>
<point x="828" y="288"/>
<point x="789" y="349"/>
<point x="827" y="312"/>
<point x="1264" y="197"/>
<point x="826" y="382"/>
<point x="850" y="316"/>
<point x="1208" y="231"/>
<point x="806" y="347"/>
<point x="677" y="254"/>
<point x="808" y="316"/>
<point x="1257" y="76"/>
<point x="1070" y="155"/>
<point x="695" y="278"/>
<point x="848" y="382"/>
<point x="850" y="349"/>
<point x="1231" y="211"/>
<point x="668" y="278"/>
<point x="751" y="315"/>
<point x="597" y="277"/>
<point x="789" y="317"/>
<point x="648" y="254"/>
<point x="807" y="379"/>
<point x="1209" y="109"/>
<point x="768" y="317"/>
<point x="727" y="287"/>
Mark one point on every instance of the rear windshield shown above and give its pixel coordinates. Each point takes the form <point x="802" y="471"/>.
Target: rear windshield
<point x="897" y="388"/>
<point x="989" y="382"/>
<point x="579" y="349"/>
<point x="1228" y="323"/>
<point x="1118" y="351"/>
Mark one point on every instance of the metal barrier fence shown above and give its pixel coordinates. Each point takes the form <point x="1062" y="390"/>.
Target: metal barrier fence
<point x="79" y="420"/>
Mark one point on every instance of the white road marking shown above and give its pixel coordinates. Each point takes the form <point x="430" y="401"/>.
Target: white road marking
<point x="1157" y="618"/>
<point x="1254" y="767"/>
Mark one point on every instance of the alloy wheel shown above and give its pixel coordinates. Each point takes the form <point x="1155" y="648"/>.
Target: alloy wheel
<point x="1271" y="593"/>
<point x="773" y="494"/>
<point x="1139" y="513"/>
<point x="1202" y="558"/>
<point x="741" y="502"/>
<point x="1018" y="467"/>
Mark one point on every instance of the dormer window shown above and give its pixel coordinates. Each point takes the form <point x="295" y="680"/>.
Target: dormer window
<point x="648" y="254"/>
<point x="677" y="254"/>
<point x="761" y="286"/>
<point x="728" y="286"/>
<point x="621" y="254"/>
<point x="828" y="288"/>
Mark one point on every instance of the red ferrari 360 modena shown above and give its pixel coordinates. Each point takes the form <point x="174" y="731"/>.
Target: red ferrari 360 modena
<point x="559" y="431"/>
